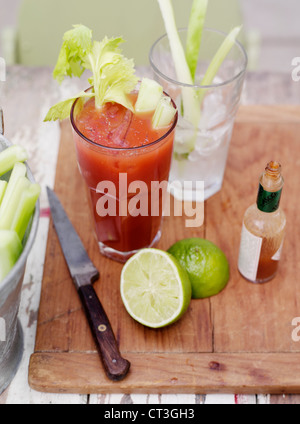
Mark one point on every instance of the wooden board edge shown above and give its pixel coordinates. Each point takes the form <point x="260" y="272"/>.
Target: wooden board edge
<point x="194" y="373"/>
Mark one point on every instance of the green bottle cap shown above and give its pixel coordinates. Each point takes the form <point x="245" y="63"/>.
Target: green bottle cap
<point x="268" y="201"/>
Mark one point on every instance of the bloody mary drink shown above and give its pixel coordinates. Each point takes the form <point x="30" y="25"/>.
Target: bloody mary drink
<point x="120" y="154"/>
<point x="123" y="131"/>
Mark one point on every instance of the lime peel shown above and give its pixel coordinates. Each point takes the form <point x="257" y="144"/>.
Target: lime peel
<point x="205" y="264"/>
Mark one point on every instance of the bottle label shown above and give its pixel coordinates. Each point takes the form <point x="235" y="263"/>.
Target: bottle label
<point x="249" y="254"/>
<point x="277" y="254"/>
<point x="268" y="201"/>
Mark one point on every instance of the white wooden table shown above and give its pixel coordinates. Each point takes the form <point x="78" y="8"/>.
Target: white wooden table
<point x="27" y="95"/>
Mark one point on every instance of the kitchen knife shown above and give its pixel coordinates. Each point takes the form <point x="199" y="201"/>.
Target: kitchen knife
<point x="84" y="273"/>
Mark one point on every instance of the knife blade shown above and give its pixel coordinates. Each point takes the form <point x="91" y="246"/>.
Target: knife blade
<point x="84" y="273"/>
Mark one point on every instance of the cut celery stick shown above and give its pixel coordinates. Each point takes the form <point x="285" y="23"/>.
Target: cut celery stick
<point x="219" y="56"/>
<point x="10" y="156"/>
<point x="194" y="34"/>
<point x="3" y="185"/>
<point x="10" y="250"/>
<point x="19" y="170"/>
<point x="191" y="107"/>
<point x="218" y="59"/>
<point x="7" y="213"/>
<point x="150" y="93"/>
<point x="25" y="209"/>
<point x="164" y="113"/>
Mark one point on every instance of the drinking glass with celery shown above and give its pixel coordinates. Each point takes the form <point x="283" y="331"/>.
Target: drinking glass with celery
<point x="120" y="124"/>
<point x="203" y="70"/>
<point x="18" y="197"/>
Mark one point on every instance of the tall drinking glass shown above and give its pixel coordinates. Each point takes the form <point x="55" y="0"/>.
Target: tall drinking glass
<point x="120" y="187"/>
<point x="218" y="104"/>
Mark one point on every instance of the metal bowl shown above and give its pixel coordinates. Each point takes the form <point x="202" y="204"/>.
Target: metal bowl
<point x="11" y="335"/>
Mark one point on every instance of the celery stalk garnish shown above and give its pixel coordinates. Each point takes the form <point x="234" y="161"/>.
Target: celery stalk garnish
<point x="194" y="34"/>
<point x="3" y="185"/>
<point x="191" y="108"/>
<point x="150" y="93"/>
<point x="186" y="64"/>
<point x="10" y="250"/>
<point x="10" y="156"/>
<point x="218" y="58"/>
<point x="113" y="75"/>
<point x="164" y="113"/>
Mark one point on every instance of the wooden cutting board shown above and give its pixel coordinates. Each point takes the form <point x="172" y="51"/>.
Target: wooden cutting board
<point x="239" y="341"/>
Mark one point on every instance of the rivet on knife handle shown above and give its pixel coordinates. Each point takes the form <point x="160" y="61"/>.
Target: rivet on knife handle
<point x="115" y="365"/>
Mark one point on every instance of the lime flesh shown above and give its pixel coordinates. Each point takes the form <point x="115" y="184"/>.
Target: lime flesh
<point x="155" y="290"/>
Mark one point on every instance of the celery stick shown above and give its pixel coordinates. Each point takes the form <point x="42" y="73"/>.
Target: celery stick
<point x="10" y="250"/>
<point x="164" y="113"/>
<point x="19" y="170"/>
<point x="3" y="185"/>
<point x="7" y="213"/>
<point x="10" y="156"/>
<point x="182" y="70"/>
<point x="219" y="57"/>
<point x="150" y="93"/>
<point x="194" y="34"/>
<point x="191" y="107"/>
<point x="25" y="209"/>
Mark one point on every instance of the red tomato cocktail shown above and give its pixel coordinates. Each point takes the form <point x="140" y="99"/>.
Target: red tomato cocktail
<point x="116" y="150"/>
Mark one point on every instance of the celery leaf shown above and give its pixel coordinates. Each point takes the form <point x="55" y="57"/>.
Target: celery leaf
<point x="113" y="75"/>
<point x="77" y="42"/>
<point x="61" y="110"/>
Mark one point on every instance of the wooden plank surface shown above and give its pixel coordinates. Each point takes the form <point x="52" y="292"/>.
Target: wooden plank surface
<point x="169" y="373"/>
<point x="260" y="315"/>
<point x="42" y="140"/>
<point x="247" y="325"/>
<point x="63" y="316"/>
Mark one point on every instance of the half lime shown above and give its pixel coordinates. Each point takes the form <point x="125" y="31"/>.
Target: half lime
<point x="155" y="289"/>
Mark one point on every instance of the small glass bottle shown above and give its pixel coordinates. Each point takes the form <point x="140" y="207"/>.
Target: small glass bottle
<point x="263" y="229"/>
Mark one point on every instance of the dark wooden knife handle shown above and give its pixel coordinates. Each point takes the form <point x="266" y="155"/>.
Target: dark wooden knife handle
<point x="115" y="365"/>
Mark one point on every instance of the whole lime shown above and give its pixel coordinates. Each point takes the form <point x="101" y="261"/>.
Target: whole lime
<point x="205" y="263"/>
